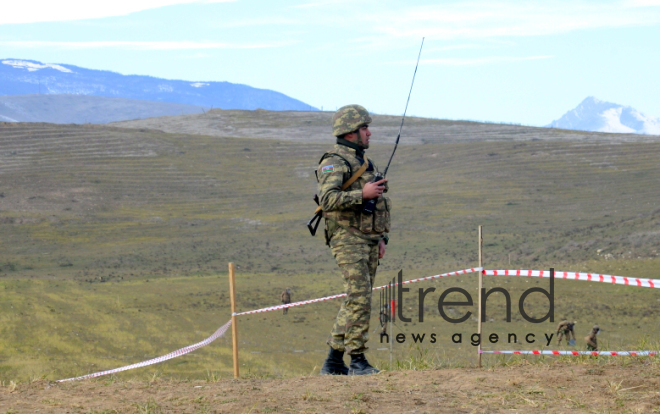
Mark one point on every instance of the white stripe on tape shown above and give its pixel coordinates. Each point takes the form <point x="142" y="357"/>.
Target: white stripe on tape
<point x="421" y="279"/>
<point x="307" y="302"/>
<point x="590" y="277"/>
<point x="548" y="352"/>
<point x="217" y="334"/>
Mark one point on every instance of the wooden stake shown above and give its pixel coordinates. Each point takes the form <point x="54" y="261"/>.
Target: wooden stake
<point x="234" y="328"/>
<point x="481" y="284"/>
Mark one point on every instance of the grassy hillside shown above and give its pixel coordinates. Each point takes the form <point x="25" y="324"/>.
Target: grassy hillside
<point x="115" y="241"/>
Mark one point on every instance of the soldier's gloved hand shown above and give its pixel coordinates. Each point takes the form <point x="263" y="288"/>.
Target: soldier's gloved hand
<point x="373" y="190"/>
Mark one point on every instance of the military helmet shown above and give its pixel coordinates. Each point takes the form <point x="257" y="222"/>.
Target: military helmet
<point x="349" y="118"/>
<point x="596" y="328"/>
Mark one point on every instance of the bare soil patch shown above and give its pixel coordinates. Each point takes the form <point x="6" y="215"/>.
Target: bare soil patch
<point x="554" y="388"/>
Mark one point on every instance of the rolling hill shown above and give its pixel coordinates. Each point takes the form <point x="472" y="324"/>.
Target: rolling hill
<point x="115" y="240"/>
<point x="551" y="194"/>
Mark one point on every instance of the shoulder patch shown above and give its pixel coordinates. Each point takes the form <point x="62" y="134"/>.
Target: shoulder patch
<point x="328" y="169"/>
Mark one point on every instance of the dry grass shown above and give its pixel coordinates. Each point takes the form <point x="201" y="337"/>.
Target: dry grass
<point x="553" y="388"/>
<point x="116" y="241"/>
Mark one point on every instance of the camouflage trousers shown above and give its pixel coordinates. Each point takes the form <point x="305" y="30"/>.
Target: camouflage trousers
<point x="358" y="263"/>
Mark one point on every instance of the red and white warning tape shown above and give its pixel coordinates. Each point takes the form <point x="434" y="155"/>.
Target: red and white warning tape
<point x="591" y="277"/>
<point x="288" y="305"/>
<point x="217" y="334"/>
<point x="221" y="331"/>
<point x="307" y="302"/>
<point x="654" y="283"/>
<point x="421" y="279"/>
<point x="548" y="352"/>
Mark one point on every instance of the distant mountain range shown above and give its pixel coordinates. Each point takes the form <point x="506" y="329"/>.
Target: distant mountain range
<point x="600" y="116"/>
<point x="28" y="77"/>
<point x="82" y="109"/>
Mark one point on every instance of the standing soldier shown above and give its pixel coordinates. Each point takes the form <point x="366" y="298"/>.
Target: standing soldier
<point x="356" y="231"/>
<point x="286" y="299"/>
<point x="565" y="329"/>
<point x="592" y="342"/>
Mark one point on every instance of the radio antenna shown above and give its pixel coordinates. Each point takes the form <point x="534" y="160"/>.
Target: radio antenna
<point x="404" y="111"/>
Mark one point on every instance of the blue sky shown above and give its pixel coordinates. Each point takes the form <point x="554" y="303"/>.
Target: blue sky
<point x="501" y="61"/>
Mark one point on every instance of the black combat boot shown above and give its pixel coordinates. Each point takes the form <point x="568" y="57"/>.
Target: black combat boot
<point x="334" y="363"/>
<point x="360" y="366"/>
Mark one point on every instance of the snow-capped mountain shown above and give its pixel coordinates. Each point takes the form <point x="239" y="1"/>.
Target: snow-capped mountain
<point x="600" y="116"/>
<point x="27" y="77"/>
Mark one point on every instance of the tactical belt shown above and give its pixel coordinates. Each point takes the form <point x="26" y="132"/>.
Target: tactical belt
<point x="355" y="232"/>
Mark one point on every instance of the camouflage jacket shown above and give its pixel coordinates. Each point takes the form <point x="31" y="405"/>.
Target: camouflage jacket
<point x="592" y="340"/>
<point x="343" y="209"/>
<point x="565" y="326"/>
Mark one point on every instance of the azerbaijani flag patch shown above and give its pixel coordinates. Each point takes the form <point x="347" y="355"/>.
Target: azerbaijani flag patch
<point x="328" y="169"/>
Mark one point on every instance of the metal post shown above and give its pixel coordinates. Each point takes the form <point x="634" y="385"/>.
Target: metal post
<point x="391" y="318"/>
<point x="481" y="284"/>
<point x="234" y="328"/>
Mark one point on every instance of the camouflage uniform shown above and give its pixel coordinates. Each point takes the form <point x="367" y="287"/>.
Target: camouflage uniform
<point x="592" y="342"/>
<point x="286" y="299"/>
<point x="565" y="328"/>
<point x="353" y="237"/>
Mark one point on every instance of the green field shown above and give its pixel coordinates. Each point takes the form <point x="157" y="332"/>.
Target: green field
<point x="115" y="242"/>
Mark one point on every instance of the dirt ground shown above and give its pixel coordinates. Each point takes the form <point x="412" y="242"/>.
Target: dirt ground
<point x="555" y="388"/>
